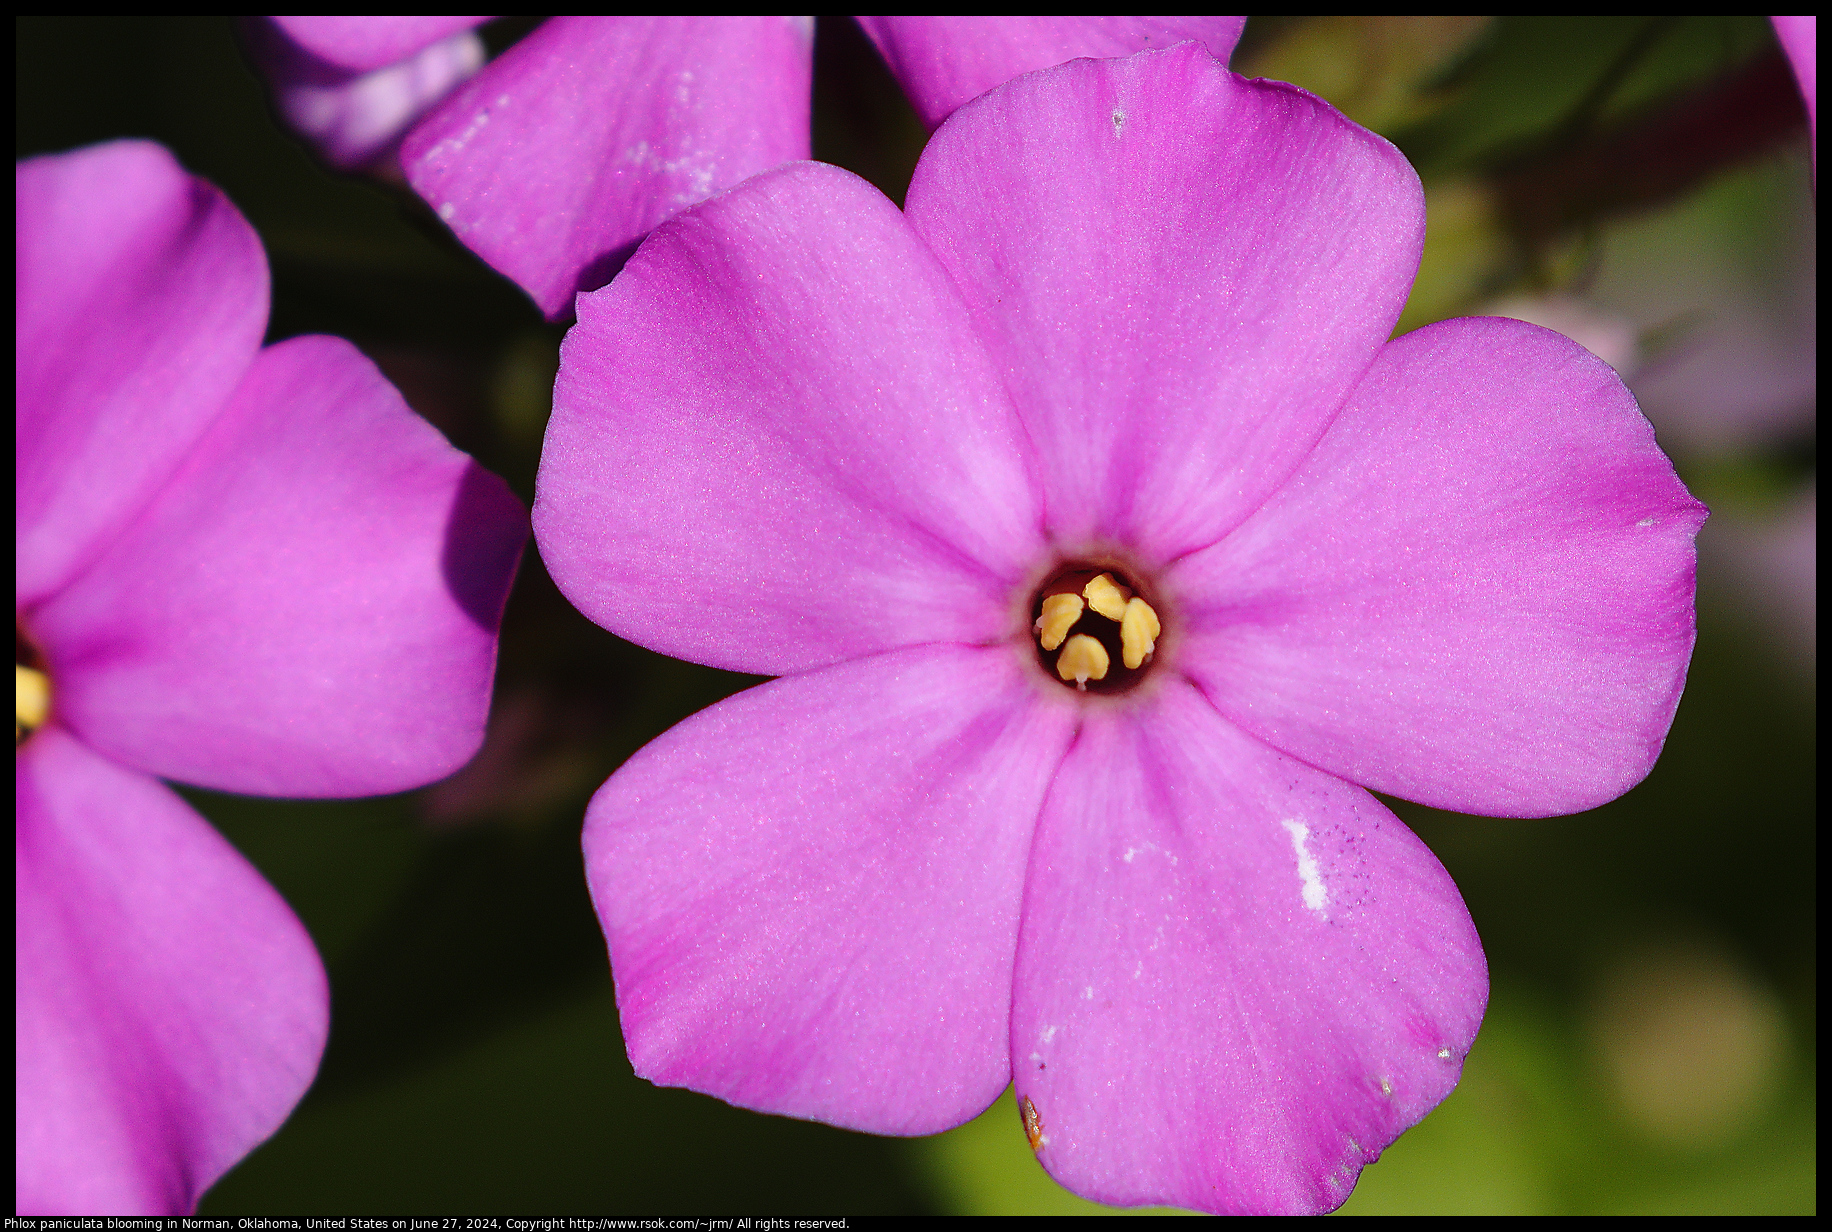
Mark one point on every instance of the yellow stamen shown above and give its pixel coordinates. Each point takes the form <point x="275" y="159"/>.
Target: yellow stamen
<point x="1105" y="597"/>
<point x="31" y="700"/>
<point x="1082" y="660"/>
<point x="1139" y="629"/>
<point x="1060" y="612"/>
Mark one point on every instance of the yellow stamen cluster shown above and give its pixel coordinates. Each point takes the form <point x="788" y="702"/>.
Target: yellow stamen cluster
<point x="31" y="700"/>
<point x="1083" y="658"/>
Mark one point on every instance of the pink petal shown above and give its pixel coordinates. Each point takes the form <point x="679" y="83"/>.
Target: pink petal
<point x="363" y="44"/>
<point x="1476" y="593"/>
<point x="309" y="608"/>
<point x="811" y="890"/>
<point x="1182" y="274"/>
<point x="1800" y="40"/>
<point x="141" y="297"/>
<point x="942" y="62"/>
<point x="556" y="159"/>
<point x="355" y="118"/>
<point x="170" y="1010"/>
<point x="776" y="443"/>
<point x="1238" y="979"/>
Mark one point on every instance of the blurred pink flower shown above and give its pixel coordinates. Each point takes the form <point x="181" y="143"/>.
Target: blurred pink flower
<point x="251" y="569"/>
<point x="1611" y="338"/>
<point x="351" y="86"/>
<point x="555" y="160"/>
<point x="1134" y="320"/>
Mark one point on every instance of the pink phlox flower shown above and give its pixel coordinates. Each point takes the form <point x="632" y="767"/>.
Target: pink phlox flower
<point x="250" y="569"/>
<point x="1135" y="318"/>
<point x="554" y="161"/>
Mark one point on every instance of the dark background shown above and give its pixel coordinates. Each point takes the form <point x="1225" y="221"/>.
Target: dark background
<point x="1649" y="1046"/>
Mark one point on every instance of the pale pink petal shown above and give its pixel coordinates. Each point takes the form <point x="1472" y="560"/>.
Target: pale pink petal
<point x="310" y="606"/>
<point x="1181" y="273"/>
<point x="1476" y="593"/>
<point x="776" y="443"/>
<point x="354" y="118"/>
<point x="169" y="1008"/>
<point x="941" y="62"/>
<point x="811" y="890"/>
<point x="1238" y="978"/>
<point x="364" y="44"/>
<point x="554" y="161"/>
<point x="141" y="297"/>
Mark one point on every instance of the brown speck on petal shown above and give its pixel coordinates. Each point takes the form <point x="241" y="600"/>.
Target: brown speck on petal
<point x="1033" y="1124"/>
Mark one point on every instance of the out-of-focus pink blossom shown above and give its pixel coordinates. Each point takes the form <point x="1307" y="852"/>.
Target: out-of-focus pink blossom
<point x="1611" y="338"/>
<point x="351" y="86"/>
<point x="1133" y="323"/>
<point x="249" y="569"/>
<point x="555" y="160"/>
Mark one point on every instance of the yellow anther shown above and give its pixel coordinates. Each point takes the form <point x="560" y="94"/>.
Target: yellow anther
<point x="1105" y="597"/>
<point x="1082" y="660"/>
<point x="1060" y="612"/>
<point x="1139" y="629"/>
<point x="31" y="700"/>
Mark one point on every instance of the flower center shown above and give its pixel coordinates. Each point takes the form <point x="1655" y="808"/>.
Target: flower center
<point x="1085" y="620"/>
<point x="31" y="688"/>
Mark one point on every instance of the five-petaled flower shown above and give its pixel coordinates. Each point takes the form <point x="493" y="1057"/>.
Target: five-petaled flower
<point x="251" y="569"/>
<point x="1129" y="343"/>
<point x="558" y="157"/>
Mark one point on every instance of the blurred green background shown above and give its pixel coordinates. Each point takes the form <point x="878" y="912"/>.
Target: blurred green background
<point x="1643" y="184"/>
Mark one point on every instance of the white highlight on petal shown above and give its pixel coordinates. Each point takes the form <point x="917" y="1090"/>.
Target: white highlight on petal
<point x="691" y="175"/>
<point x="1049" y="1033"/>
<point x="1645" y="522"/>
<point x="1087" y="994"/>
<point x="1314" y="894"/>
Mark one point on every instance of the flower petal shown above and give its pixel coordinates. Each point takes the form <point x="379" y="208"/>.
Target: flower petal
<point x="776" y="443"/>
<point x="309" y="608"/>
<point x="355" y="117"/>
<point x="141" y="297"/>
<point x="1238" y="979"/>
<point x="1476" y="593"/>
<point x="1181" y="273"/>
<point x="553" y="162"/>
<point x="811" y="890"/>
<point x="170" y="1008"/>
<point x="364" y="44"/>
<point x="941" y="62"/>
<point x="1800" y="41"/>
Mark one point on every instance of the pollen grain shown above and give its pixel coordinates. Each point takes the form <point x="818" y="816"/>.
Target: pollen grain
<point x="1083" y="659"/>
<point x="1139" y="629"/>
<point x="31" y="700"/>
<point x="1106" y="597"/>
<point x="1060" y="612"/>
